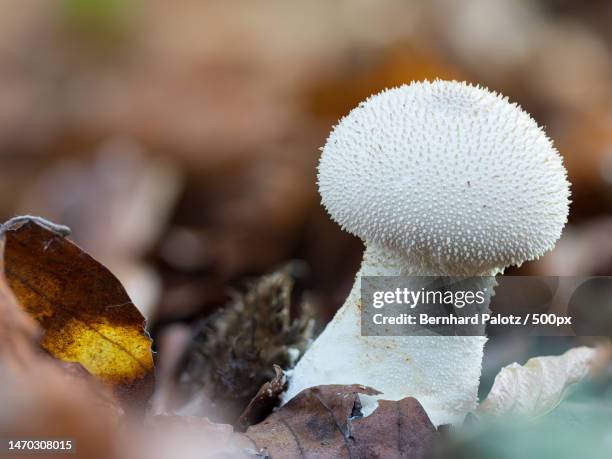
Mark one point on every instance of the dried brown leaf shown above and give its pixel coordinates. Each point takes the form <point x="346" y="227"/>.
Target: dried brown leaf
<point x="326" y="421"/>
<point x="264" y="401"/>
<point x="320" y="422"/>
<point x="84" y="312"/>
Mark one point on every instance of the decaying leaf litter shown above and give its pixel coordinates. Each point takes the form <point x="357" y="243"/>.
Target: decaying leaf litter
<point x="47" y="279"/>
<point x="85" y="119"/>
<point x="35" y="258"/>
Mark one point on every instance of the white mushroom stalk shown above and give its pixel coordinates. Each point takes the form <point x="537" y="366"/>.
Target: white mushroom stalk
<point x="437" y="178"/>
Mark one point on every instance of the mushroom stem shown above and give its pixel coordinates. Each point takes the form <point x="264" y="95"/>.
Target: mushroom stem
<point x="442" y="372"/>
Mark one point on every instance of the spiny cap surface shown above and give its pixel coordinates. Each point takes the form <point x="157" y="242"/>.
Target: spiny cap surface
<point x="448" y="172"/>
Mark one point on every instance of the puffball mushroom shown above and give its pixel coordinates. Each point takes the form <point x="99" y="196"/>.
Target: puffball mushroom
<point x="438" y="179"/>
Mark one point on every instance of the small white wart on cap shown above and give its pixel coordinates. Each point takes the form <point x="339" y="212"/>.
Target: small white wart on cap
<point x="451" y="173"/>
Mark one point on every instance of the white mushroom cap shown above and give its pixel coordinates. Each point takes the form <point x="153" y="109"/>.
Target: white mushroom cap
<point x="453" y="174"/>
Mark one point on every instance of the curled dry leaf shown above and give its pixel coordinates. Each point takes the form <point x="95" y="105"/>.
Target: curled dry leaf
<point x="264" y="401"/>
<point x="84" y="312"/>
<point x="539" y="386"/>
<point x="326" y="421"/>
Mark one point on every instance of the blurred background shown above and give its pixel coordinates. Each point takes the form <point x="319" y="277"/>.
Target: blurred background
<point x="179" y="140"/>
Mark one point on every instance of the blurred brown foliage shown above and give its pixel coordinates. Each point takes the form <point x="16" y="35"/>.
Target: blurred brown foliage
<point x="179" y="140"/>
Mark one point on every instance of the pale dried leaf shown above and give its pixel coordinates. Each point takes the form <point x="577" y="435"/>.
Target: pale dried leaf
<point x="537" y="387"/>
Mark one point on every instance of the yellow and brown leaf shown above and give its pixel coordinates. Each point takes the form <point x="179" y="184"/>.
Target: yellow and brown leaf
<point x="84" y="311"/>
